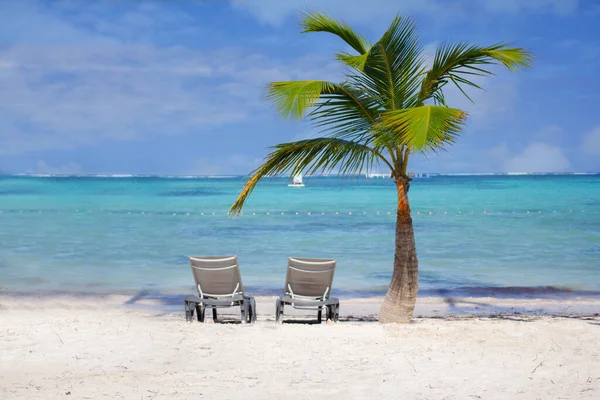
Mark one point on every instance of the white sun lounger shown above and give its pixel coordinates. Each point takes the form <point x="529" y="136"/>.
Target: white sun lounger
<point x="308" y="287"/>
<point x="219" y="285"/>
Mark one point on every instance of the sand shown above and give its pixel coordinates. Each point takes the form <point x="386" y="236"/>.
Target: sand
<point x="98" y="349"/>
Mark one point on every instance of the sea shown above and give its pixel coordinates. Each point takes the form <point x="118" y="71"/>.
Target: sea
<point x="475" y="234"/>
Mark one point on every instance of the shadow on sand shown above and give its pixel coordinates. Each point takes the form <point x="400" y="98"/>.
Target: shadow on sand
<point x="462" y="303"/>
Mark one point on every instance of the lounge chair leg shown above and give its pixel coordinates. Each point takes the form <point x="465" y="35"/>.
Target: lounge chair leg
<point x="214" y="311"/>
<point x="336" y="313"/>
<point x="250" y="310"/>
<point x="279" y="311"/>
<point x="320" y="314"/>
<point x="189" y="313"/>
<point x="201" y="310"/>
<point x="244" y="312"/>
<point x="253" y="311"/>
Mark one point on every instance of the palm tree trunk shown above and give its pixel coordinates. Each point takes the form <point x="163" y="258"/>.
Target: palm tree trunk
<point x="399" y="302"/>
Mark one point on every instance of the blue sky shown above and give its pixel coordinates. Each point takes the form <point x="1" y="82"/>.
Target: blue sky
<point x="170" y="87"/>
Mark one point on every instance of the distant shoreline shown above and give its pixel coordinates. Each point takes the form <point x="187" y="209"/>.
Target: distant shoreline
<point x="161" y="176"/>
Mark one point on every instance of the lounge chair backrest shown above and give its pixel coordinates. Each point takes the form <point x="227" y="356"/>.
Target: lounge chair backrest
<point x="216" y="276"/>
<point x="309" y="277"/>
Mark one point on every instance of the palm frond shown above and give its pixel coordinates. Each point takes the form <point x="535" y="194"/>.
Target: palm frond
<point x="457" y="62"/>
<point x="339" y="109"/>
<point x="424" y="128"/>
<point x="356" y="62"/>
<point x="311" y="156"/>
<point x="319" y="22"/>
<point x="293" y="98"/>
<point x="512" y="58"/>
<point x="393" y="67"/>
<point x="345" y="112"/>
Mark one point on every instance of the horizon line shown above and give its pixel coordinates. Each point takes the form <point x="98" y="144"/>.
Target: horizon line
<point x="188" y="176"/>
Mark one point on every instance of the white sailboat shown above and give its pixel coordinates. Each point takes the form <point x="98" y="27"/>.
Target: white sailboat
<point x="297" y="182"/>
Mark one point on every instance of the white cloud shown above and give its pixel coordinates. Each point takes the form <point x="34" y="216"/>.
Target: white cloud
<point x="277" y="11"/>
<point x="70" y="168"/>
<point x="73" y="84"/>
<point x="230" y="165"/>
<point x="496" y="155"/>
<point x="100" y="22"/>
<point x="494" y="103"/>
<point x="538" y="157"/>
<point x="584" y="50"/>
<point x="590" y="144"/>
<point x="460" y="158"/>
<point x="31" y="22"/>
<point x="543" y="155"/>
<point x="560" y="7"/>
<point x="78" y="86"/>
<point x="205" y="166"/>
<point x="308" y="134"/>
<point x="65" y="97"/>
<point x="568" y="43"/>
<point x="550" y="133"/>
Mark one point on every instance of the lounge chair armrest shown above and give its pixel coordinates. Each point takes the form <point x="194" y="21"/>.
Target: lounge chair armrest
<point x="217" y="302"/>
<point x="308" y="302"/>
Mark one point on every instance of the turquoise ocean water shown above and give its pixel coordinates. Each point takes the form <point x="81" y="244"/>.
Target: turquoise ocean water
<point x="133" y="234"/>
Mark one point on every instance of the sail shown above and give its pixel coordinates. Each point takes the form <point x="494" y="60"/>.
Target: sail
<point x="298" y="179"/>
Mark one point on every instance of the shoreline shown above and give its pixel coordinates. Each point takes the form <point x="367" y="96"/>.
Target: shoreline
<point x="545" y="291"/>
<point x="353" y="308"/>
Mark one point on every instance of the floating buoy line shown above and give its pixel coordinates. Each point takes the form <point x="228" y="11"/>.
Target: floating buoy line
<point x="299" y="213"/>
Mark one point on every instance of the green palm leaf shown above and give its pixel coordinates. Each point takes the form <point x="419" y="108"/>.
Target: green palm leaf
<point x="340" y="109"/>
<point x="311" y="156"/>
<point x="457" y="62"/>
<point x="423" y="128"/>
<point x="318" y="22"/>
<point x="356" y="62"/>
<point x="293" y="98"/>
<point x="512" y="58"/>
<point x="394" y="64"/>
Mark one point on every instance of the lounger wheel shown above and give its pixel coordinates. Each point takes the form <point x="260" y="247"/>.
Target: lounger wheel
<point x="279" y="311"/>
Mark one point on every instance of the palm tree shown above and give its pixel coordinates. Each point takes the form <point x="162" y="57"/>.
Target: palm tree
<point x="391" y="105"/>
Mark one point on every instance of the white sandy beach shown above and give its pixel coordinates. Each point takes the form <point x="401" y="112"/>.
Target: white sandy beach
<point x="100" y="349"/>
